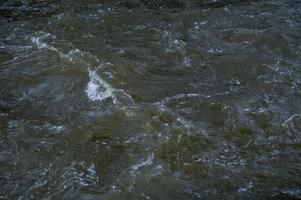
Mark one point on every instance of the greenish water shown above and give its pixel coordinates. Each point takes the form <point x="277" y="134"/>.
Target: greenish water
<point x="162" y="100"/>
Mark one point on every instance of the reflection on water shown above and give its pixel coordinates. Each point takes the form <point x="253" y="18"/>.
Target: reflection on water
<point x="134" y="99"/>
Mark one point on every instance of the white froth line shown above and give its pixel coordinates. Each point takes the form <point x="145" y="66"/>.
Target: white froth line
<point x="55" y="128"/>
<point x="246" y="188"/>
<point x="43" y="45"/>
<point x="290" y="119"/>
<point x="96" y="83"/>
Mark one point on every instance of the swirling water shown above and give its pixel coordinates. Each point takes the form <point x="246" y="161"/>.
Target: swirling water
<point x="176" y="99"/>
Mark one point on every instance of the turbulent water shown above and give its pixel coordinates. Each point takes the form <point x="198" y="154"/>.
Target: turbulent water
<point x="136" y="99"/>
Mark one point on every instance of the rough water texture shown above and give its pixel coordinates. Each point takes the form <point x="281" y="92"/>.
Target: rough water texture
<point x="135" y="99"/>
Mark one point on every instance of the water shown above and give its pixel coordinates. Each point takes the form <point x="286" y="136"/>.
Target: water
<point x="178" y="99"/>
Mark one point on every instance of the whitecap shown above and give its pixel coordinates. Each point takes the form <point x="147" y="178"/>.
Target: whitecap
<point x="40" y="44"/>
<point x="293" y="192"/>
<point x="291" y="118"/>
<point x="246" y="188"/>
<point x="98" y="89"/>
<point x="79" y="174"/>
<point x="55" y="128"/>
<point x="143" y="163"/>
<point x="37" y="41"/>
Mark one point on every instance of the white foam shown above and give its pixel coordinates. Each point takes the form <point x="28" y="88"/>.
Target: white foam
<point x="72" y="54"/>
<point x="97" y="89"/>
<point x="147" y="162"/>
<point x="216" y="50"/>
<point x="55" y="128"/>
<point x="293" y="192"/>
<point x="43" y="45"/>
<point x="38" y="43"/>
<point x="288" y="120"/>
<point x="79" y="174"/>
<point x="246" y="188"/>
<point x="92" y="170"/>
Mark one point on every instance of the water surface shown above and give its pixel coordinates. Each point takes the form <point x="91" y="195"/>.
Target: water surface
<point x="171" y="100"/>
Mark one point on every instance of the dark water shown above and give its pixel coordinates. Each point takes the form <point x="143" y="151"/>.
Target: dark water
<point x="171" y="100"/>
